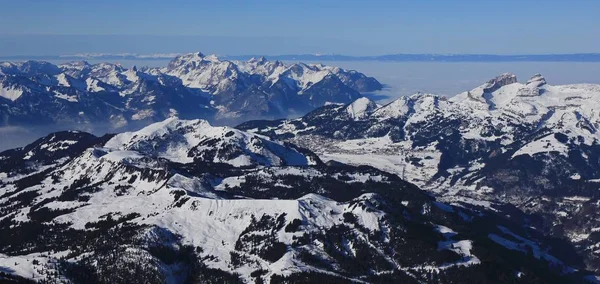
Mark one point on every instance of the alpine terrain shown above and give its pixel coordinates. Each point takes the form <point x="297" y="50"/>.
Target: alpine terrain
<point x="184" y="201"/>
<point x="504" y="145"/>
<point x="191" y="86"/>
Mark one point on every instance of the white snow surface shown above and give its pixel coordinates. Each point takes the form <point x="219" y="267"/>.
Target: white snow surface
<point x="213" y="75"/>
<point x="361" y="108"/>
<point x="10" y="92"/>
<point x="202" y="220"/>
<point x="62" y="96"/>
<point x="183" y="140"/>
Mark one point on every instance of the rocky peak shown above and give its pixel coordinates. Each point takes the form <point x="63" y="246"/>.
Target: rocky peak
<point x="537" y="80"/>
<point x="532" y="88"/>
<point x="259" y="61"/>
<point x="498" y="82"/>
<point x="186" y="59"/>
<point x="191" y="56"/>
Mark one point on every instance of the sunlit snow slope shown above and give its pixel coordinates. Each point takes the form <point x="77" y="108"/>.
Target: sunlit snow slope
<point x="181" y="200"/>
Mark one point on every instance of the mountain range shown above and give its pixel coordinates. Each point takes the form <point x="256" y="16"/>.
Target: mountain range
<point x="530" y="146"/>
<point x="499" y="182"/>
<point x="181" y="201"/>
<point x="191" y="86"/>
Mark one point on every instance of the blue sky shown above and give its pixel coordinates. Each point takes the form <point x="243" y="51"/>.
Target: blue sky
<point x="309" y="26"/>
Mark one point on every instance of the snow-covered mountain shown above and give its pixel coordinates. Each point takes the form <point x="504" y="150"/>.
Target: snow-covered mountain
<point x="183" y="201"/>
<point x="40" y="93"/>
<point x="192" y="86"/>
<point x="532" y="145"/>
<point x="261" y="87"/>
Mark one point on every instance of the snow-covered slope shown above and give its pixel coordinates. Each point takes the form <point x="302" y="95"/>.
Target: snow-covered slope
<point x="184" y="141"/>
<point x="10" y="92"/>
<point x="503" y="141"/>
<point x="361" y="108"/>
<point x="134" y="207"/>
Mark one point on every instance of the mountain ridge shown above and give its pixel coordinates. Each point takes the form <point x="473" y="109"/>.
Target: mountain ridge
<point x="191" y="86"/>
<point x="117" y="207"/>
<point x="532" y="144"/>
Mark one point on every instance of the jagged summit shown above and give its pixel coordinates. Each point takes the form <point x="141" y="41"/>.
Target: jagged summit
<point x="259" y="60"/>
<point x="191" y="60"/>
<point x="537" y="80"/>
<point x="498" y="82"/>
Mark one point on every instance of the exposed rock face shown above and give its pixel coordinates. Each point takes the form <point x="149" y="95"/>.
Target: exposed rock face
<point x="537" y="80"/>
<point x="498" y="82"/>
<point x="532" y="87"/>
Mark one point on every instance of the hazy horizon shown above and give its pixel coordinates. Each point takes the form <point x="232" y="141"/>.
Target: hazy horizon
<point x="283" y="27"/>
<point x="60" y="45"/>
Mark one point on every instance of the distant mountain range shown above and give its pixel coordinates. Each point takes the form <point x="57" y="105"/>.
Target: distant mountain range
<point x="568" y="57"/>
<point x="191" y="86"/>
